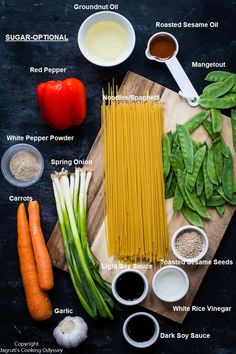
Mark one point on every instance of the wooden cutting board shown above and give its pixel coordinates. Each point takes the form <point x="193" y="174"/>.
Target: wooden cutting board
<point x="176" y="110"/>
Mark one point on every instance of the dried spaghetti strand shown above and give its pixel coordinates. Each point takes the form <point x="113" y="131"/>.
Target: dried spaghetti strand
<point x="136" y="227"/>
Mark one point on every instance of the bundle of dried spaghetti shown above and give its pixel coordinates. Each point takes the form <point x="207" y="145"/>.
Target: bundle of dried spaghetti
<point x="136" y="225"/>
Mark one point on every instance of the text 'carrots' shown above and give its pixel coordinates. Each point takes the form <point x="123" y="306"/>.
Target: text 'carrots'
<point x="38" y="302"/>
<point x="41" y="255"/>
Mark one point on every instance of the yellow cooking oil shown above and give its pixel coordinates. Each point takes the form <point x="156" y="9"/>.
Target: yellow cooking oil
<point x="106" y="40"/>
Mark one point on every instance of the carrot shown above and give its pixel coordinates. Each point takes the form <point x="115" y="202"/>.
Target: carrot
<point x="38" y="302"/>
<point x="41" y="255"/>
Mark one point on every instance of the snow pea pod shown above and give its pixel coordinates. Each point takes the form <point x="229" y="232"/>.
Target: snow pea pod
<point x="209" y="88"/>
<point x="217" y="139"/>
<point x="165" y="154"/>
<point x="175" y="143"/>
<point x="186" y="147"/>
<point x="208" y="186"/>
<point x="197" y="205"/>
<point x="228" y="101"/>
<point x="168" y="181"/>
<point x="219" y="75"/>
<point x="181" y="181"/>
<point x="220" y="209"/>
<point x="169" y="193"/>
<point x="170" y="185"/>
<point x="191" y="179"/>
<point x="233" y="89"/>
<point x="219" y="88"/>
<point x="196" y="121"/>
<point x="178" y="153"/>
<point x="231" y="201"/>
<point x="170" y="136"/>
<point x="196" y="146"/>
<point x="233" y="122"/>
<point x="225" y="148"/>
<point x="178" y="199"/>
<point x="191" y="216"/>
<point x="208" y="127"/>
<point x="174" y="183"/>
<point x="200" y="183"/>
<point x="218" y="159"/>
<point x="216" y="200"/>
<point x="176" y="162"/>
<point x="203" y="198"/>
<point x="228" y="177"/>
<point x="211" y="168"/>
<point x="216" y="120"/>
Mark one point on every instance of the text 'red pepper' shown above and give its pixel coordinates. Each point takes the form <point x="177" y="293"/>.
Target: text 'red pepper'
<point x="62" y="103"/>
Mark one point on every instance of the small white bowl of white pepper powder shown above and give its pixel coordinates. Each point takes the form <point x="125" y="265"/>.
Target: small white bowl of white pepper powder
<point x="22" y="165"/>
<point x="189" y="244"/>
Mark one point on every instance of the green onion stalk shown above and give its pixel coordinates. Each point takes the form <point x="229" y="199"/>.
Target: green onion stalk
<point x="71" y="202"/>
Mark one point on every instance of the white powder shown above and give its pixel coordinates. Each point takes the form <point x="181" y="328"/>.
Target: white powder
<point x="24" y="165"/>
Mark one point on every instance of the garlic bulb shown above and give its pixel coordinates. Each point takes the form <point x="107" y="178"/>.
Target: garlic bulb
<point x="70" y="332"/>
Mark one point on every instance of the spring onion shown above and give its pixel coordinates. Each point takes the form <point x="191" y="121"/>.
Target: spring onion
<point x="71" y="203"/>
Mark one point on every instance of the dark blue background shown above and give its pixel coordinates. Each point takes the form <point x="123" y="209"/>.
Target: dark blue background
<point x="19" y="114"/>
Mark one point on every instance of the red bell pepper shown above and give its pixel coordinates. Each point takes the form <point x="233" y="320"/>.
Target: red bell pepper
<point x="62" y="103"/>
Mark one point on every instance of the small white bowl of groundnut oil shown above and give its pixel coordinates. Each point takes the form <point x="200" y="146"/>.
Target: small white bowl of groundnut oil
<point x="189" y="244"/>
<point x="106" y="38"/>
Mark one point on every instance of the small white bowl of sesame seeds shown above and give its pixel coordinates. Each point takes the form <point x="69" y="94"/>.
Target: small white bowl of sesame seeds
<point x="189" y="244"/>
